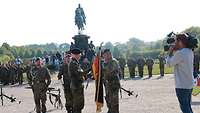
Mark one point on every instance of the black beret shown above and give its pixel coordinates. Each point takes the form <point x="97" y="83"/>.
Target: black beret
<point x="37" y="59"/>
<point x="106" y="51"/>
<point x="75" y="51"/>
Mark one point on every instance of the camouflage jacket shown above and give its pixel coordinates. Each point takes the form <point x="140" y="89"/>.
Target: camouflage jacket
<point x="149" y="62"/>
<point x="111" y="72"/>
<point x="40" y="75"/>
<point x="76" y="74"/>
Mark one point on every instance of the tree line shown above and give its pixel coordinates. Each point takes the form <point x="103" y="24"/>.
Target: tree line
<point x="133" y="47"/>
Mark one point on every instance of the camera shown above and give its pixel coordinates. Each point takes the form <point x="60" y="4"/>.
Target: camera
<point x="169" y="41"/>
<point x="192" y="41"/>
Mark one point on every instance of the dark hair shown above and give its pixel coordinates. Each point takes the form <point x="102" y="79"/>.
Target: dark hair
<point x="188" y="40"/>
<point x="183" y="38"/>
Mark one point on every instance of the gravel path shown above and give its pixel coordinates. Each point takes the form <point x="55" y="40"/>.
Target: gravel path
<point x="155" y="96"/>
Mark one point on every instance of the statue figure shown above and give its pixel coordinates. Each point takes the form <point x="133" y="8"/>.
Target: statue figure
<point x="80" y="18"/>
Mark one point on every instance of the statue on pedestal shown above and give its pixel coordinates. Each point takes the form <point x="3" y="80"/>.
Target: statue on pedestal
<point x="80" y="18"/>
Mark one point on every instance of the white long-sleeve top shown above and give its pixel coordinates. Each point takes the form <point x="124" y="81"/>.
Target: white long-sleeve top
<point x="182" y="61"/>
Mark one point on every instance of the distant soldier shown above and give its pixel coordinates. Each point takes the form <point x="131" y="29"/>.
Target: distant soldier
<point x="28" y="68"/>
<point x="85" y="64"/>
<point x="77" y="77"/>
<point x="13" y="73"/>
<point x="90" y="54"/>
<point x="91" y="45"/>
<point x="39" y="81"/>
<point x="196" y="64"/>
<point x="4" y="74"/>
<point x="141" y="63"/>
<point x="111" y="81"/>
<point x="150" y="63"/>
<point x="132" y="63"/>
<point x="162" y="65"/>
<point x="122" y="64"/>
<point x="64" y="74"/>
<point x="20" y="71"/>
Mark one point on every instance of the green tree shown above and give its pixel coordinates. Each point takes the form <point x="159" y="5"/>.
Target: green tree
<point x="39" y="53"/>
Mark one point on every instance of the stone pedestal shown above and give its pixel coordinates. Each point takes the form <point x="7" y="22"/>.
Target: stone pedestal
<point x="81" y="41"/>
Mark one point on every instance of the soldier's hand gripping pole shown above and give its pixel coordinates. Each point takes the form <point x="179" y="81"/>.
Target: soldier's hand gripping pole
<point x="130" y="93"/>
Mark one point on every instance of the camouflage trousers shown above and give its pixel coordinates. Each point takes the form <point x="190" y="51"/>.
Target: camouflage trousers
<point x="150" y="68"/>
<point x="140" y="69"/>
<point x="68" y="98"/>
<point x="78" y="99"/>
<point x="162" y="71"/>
<point x="20" y="78"/>
<point x="131" y="71"/>
<point x="112" y="99"/>
<point x="40" y="97"/>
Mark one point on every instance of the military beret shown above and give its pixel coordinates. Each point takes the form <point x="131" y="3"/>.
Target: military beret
<point x="106" y="51"/>
<point x="75" y="51"/>
<point x="37" y="59"/>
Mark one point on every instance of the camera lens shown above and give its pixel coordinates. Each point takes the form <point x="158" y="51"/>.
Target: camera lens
<point x="170" y="40"/>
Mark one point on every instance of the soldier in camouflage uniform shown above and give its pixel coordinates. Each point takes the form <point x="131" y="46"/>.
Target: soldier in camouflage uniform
<point x="64" y="74"/>
<point x="162" y="65"/>
<point x="28" y="69"/>
<point x="131" y="63"/>
<point x="20" y="71"/>
<point x="77" y="78"/>
<point x="196" y="64"/>
<point x="149" y="63"/>
<point x="111" y="81"/>
<point x="141" y="63"/>
<point x="13" y="73"/>
<point x="39" y="81"/>
<point x="122" y="64"/>
<point x="5" y="74"/>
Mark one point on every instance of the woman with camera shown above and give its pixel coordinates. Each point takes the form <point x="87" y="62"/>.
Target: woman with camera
<point x="181" y="57"/>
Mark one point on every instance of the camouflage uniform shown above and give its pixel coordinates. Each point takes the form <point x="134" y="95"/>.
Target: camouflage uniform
<point x="112" y="85"/>
<point x="122" y="64"/>
<point x="63" y="73"/>
<point x="162" y="65"/>
<point x="28" y="71"/>
<point x="141" y="63"/>
<point x="13" y="74"/>
<point x="76" y="74"/>
<point x="149" y="63"/>
<point x="196" y="65"/>
<point x="5" y="75"/>
<point x="20" y="71"/>
<point x="39" y="81"/>
<point x="131" y="67"/>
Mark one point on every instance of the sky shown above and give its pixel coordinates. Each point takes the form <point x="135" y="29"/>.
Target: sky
<point x="25" y="22"/>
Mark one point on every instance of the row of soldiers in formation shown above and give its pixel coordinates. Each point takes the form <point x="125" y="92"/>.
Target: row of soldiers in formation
<point x="73" y="77"/>
<point x="12" y="73"/>
<point x="132" y="63"/>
